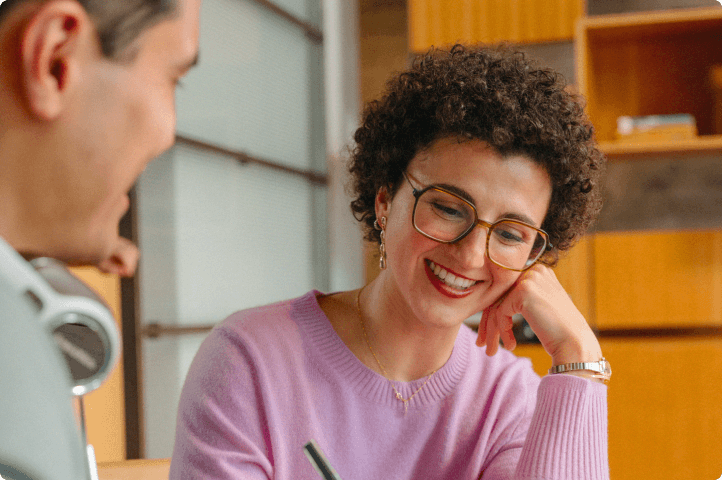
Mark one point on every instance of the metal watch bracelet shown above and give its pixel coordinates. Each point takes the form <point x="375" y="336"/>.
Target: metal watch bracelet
<point x="601" y="368"/>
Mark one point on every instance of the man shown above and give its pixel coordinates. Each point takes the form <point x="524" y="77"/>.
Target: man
<point x="86" y="101"/>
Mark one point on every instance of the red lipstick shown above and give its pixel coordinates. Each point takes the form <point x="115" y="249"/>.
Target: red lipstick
<point x="442" y="287"/>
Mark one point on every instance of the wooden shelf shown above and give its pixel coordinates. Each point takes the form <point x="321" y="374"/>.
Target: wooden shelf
<point x="670" y="22"/>
<point x="700" y="145"/>
<point x="651" y="64"/>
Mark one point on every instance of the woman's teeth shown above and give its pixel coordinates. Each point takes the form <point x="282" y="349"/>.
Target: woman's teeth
<point x="449" y="278"/>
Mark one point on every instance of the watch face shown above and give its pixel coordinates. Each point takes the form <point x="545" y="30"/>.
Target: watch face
<point x="607" y="369"/>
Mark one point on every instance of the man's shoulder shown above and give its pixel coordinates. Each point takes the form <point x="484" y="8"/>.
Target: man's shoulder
<point x="39" y="432"/>
<point x="14" y="305"/>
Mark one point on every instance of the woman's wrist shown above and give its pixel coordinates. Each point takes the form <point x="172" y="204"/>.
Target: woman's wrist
<point x="597" y="370"/>
<point x="589" y="375"/>
<point x="586" y="350"/>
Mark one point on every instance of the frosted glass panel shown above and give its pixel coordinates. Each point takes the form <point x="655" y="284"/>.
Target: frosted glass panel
<point x="307" y="10"/>
<point x="217" y="236"/>
<point x="157" y="240"/>
<point x="244" y="232"/>
<point x="256" y="87"/>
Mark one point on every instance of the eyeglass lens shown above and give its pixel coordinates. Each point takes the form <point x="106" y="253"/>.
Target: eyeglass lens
<point x="445" y="217"/>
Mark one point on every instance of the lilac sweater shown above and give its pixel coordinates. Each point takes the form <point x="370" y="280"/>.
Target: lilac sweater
<point x="269" y="379"/>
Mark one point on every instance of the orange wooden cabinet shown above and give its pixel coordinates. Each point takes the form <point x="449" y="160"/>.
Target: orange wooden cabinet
<point x="658" y="279"/>
<point x="575" y="272"/>
<point x="445" y="22"/>
<point x="665" y="419"/>
<point x="157" y="469"/>
<point x="650" y="64"/>
<point x="105" y="407"/>
<point x="664" y="399"/>
<point x="638" y="280"/>
<point x="541" y="361"/>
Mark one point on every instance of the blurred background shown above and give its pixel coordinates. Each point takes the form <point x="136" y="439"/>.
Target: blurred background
<point x="249" y="206"/>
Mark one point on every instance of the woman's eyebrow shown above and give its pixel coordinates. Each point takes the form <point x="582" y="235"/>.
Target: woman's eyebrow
<point x="463" y="194"/>
<point x="456" y="190"/>
<point x="521" y="218"/>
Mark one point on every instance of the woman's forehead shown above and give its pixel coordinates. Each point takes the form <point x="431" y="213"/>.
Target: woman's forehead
<point x="516" y="184"/>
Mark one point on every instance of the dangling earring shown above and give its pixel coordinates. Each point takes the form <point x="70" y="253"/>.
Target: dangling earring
<point x="382" y="245"/>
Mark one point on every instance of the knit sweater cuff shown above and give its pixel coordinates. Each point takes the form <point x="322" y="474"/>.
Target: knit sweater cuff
<point x="567" y="437"/>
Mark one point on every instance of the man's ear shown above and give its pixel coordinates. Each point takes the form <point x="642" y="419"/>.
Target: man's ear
<point x="50" y="45"/>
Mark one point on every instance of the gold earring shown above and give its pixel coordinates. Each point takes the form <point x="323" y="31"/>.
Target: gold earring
<point x="382" y="245"/>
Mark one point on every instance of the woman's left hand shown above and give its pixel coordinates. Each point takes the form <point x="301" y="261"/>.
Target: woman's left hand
<point x="549" y="311"/>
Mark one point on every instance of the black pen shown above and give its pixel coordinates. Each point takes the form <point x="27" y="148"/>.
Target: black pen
<point x="319" y="462"/>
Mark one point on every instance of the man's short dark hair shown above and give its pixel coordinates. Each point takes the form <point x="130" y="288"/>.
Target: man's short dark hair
<point x="119" y="22"/>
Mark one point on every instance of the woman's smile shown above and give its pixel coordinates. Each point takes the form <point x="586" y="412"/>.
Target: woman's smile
<point x="448" y="282"/>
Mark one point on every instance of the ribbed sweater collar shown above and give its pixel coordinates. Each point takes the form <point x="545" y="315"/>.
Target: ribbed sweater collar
<point x="330" y="351"/>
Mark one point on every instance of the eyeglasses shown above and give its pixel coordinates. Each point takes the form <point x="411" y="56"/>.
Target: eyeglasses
<point x="447" y="218"/>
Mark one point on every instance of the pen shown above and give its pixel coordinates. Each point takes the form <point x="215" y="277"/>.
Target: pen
<point x="319" y="461"/>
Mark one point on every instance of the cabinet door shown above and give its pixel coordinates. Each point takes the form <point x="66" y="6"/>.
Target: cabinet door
<point x="575" y="272"/>
<point x="658" y="280"/>
<point x="665" y="406"/>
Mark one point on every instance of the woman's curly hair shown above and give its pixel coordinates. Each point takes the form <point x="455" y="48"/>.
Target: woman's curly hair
<point x="495" y="95"/>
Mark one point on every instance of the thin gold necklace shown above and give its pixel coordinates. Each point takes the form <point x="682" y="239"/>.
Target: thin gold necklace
<point x="381" y="367"/>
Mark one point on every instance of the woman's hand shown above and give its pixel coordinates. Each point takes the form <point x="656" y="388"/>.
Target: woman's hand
<point x="551" y="314"/>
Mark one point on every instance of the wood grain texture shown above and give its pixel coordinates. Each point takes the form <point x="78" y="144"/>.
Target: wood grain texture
<point x="666" y="194"/>
<point x="665" y="419"/>
<point x="445" y="22"/>
<point x="383" y="52"/>
<point x="383" y="48"/>
<point x="104" y="407"/>
<point x="540" y="359"/>
<point x="156" y="469"/>
<point x="650" y="64"/>
<point x="651" y="279"/>
<point x="664" y="400"/>
<point x="575" y="272"/>
<point x="679" y="149"/>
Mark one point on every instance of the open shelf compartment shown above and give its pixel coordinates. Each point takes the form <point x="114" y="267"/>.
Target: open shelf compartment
<point x="651" y="64"/>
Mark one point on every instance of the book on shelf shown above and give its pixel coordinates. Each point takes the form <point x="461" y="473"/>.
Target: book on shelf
<point x="654" y="128"/>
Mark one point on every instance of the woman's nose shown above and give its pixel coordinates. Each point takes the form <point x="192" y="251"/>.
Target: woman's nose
<point x="472" y="247"/>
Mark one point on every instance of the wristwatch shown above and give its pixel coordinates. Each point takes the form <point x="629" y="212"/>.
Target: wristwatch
<point x="601" y="368"/>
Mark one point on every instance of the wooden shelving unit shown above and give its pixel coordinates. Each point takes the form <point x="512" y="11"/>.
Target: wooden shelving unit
<point x="651" y="64"/>
<point x="445" y="22"/>
<point x="702" y="144"/>
<point x="655" y="296"/>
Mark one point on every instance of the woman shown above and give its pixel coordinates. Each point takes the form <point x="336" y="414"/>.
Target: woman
<point x="386" y="379"/>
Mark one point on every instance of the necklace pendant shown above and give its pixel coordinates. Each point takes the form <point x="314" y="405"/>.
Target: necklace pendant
<point x="398" y="396"/>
